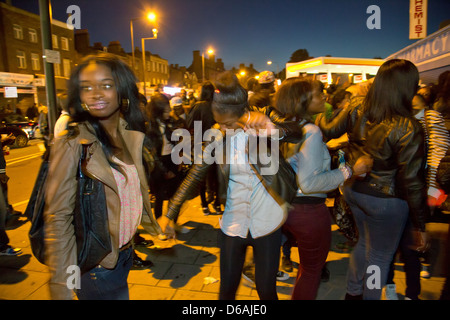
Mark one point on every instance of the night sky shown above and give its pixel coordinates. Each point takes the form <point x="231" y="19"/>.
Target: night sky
<point x="250" y="31"/>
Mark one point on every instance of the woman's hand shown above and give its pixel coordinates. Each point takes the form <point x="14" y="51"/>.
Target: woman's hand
<point x="167" y="226"/>
<point x="363" y="165"/>
<point x="421" y="241"/>
<point x="256" y="121"/>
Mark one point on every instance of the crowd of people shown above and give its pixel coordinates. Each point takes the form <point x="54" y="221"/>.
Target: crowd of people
<point x="380" y="147"/>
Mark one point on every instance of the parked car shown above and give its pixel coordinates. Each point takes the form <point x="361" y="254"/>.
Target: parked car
<point x="19" y="126"/>
<point x="20" y="122"/>
<point x="21" y="137"/>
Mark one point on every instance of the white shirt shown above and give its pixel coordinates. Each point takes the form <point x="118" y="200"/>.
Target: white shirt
<point x="61" y="124"/>
<point x="249" y="207"/>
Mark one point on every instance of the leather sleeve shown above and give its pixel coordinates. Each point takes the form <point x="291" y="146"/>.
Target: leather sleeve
<point x="411" y="174"/>
<point x="187" y="189"/>
<point x="290" y="131"/>
<point x="343" y="122"/>
<point x="61" y="186"/>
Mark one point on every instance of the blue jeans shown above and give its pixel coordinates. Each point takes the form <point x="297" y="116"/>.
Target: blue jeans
<point x="107" y="284"/>
<point x="380" y="223"/>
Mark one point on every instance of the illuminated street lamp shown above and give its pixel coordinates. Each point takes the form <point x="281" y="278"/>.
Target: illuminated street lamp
<point x="210" y="52"/>
<point x="150" y="17"/>
<point x="270" y="63"/>
<point x="155" y="36"/>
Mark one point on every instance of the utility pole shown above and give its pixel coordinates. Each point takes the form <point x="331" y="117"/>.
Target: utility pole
<point x="45" y="11"/>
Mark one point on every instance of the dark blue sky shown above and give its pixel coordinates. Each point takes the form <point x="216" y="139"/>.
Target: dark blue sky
<point x="251" y="31"/>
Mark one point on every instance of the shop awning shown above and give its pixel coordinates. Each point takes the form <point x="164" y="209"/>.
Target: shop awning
<point x="431" y="55"/>
<point x="330" y="65"/>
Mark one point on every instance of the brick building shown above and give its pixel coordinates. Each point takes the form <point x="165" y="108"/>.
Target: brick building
<point x="21" y="62"/>
<point x="212" y="67"/>
<point x="181" y="77"/>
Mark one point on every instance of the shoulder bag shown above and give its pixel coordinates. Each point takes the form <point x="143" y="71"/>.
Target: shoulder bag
<point x="90" y="216"/>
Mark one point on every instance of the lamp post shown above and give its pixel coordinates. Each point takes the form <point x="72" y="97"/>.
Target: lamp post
<point x="151" y="17"/>
<point x="210" y="51"/>
<point x="155" y="36"/>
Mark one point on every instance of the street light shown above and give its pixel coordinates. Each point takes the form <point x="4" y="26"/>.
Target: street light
<point x="150" y="17"/>
<point x="155" y="36"/>
<point x="210" y="51"/>
<point x="270" y="63"/>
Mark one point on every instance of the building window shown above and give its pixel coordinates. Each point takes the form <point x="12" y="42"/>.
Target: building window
<point x="18" y="32"/>
<point x="55" y="41"/>
<point x="21" y="59"/>
<point x="148" y="66"/>
<point x="57" y="69"/>
<point x="35" y="62"/>
<point x="64" y="43"/>
<point x="66" y="67"/>
<point x="32" y="35"/>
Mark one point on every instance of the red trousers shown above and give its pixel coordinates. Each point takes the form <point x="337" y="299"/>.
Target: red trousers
<point x="310" y="224"/>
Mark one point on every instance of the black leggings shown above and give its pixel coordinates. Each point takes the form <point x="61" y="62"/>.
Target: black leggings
<point x="266" y="253"/>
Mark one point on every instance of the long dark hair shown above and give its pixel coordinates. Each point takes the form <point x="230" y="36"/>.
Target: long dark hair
<point x="443" y="93"/>
<point x="392" y="91"/>
<point x="207" y="91"/>
<point x="155" y="109"/>
<point x="128" y="98"/>
<point x="156" y="106"/>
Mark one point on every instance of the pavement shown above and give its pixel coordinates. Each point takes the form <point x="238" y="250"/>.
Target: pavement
<point x="188" y="268"/>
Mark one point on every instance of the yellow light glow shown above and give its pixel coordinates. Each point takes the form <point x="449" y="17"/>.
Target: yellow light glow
<point x="210" y="51"/>
<point x="269" y="62"/>
<point x="242" y="73"/>
<point x="305" y="65"/>
<point x="151" y="16"/>
<point x="355" y="61"/>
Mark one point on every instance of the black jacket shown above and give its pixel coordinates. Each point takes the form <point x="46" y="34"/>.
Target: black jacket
<point x="397" y="147"/>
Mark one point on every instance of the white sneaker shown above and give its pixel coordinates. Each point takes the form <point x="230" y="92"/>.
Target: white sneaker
<point x="181" y="229"/>
<point x="425" y="273"/>
<point x="9" y="251"/>
<point x="281" y="276"/>
<point x="389" y="292"/>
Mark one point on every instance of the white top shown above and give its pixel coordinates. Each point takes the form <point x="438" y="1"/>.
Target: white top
<point x="249" y="207"/>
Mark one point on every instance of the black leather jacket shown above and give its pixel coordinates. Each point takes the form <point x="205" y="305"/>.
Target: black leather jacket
<point x="397" y="147"/>
<point x="282" y="186"/>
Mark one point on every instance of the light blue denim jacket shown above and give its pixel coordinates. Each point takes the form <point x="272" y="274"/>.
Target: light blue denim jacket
<point x="311" y="162"/>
